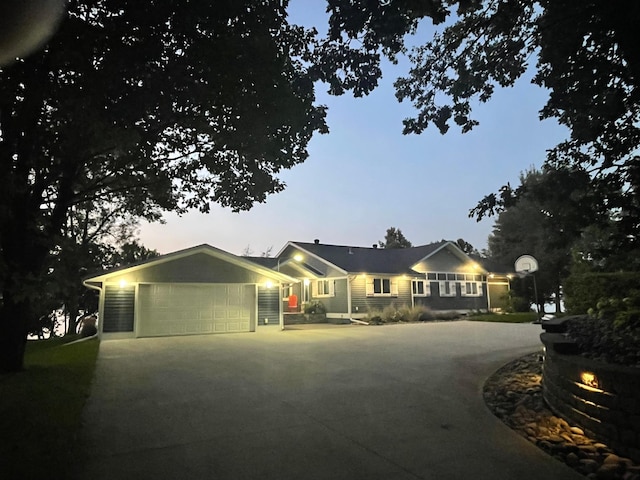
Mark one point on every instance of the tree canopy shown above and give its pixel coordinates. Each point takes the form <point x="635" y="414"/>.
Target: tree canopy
<point x="394" y="238"/>
<point x="181" y="104"/>
<point x="168" y="107"/>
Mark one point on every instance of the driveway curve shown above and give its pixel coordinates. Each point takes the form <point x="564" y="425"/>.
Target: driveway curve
<point x="391" y="402"/>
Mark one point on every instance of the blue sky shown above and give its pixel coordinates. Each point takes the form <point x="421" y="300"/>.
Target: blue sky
<point x="365" y="176"/>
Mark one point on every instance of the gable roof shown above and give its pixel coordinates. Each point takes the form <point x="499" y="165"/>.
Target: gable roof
<point x="371" y="260"/>
<point x="204" y="248"/>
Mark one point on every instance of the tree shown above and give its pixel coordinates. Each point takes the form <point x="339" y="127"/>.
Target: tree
<point x="394" y="239"/>
<point x="466" y="247"/>
<point x="554" y="209"/>
<point x="586" y="58"/>
<point x="172" y="106"/>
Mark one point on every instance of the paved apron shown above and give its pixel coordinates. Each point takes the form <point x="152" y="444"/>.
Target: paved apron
<point x="352" y="402"/>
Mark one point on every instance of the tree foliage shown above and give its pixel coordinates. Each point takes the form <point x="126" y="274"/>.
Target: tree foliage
<point x="168" y="107"/>
<point x="394" y="238"/>
<point x="554" y="208"/>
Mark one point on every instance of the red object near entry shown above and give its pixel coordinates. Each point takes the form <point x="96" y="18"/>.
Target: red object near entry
<point x="293" y="302"/>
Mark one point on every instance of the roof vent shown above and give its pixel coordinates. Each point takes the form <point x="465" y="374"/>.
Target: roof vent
<point x="316" y="241"/>
<point x="375" y="245"/>
<point x="350" y="251"/>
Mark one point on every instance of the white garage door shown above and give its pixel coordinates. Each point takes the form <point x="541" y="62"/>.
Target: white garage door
<point x="178" y="309"/>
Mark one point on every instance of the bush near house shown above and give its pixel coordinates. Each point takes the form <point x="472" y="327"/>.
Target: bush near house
<point x="404" y="313"/>
<point x="584" y="291"/>
<point x="610" y="331"/>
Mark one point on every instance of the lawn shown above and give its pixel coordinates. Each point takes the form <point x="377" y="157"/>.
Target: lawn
<point x="41" y="407"/>
<point x="525" y="317"/>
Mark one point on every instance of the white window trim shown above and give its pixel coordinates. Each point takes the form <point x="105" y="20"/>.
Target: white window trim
<point x="426" y="289"/>
<point x="465" y="291"/>
<point x="393" y="287"/>
<point x="286" y="291"/>
<point x="330" y="284"/>
<point x="452" y="288"/>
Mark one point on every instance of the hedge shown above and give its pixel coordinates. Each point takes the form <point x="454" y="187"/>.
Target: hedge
<point x="583" y="291"/>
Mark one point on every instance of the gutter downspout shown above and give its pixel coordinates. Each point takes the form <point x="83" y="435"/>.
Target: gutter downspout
<point x="350" y="278"/>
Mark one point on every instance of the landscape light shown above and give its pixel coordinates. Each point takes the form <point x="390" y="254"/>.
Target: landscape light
<point x="589" y="379"/>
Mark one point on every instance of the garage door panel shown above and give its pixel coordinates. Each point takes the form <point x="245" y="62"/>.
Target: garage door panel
<point x="174" y="309"/>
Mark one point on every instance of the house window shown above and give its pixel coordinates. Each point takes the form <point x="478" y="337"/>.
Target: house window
<point x="471" y="289"/>
<point x="324" y="288"/>
<point x="382" y="287"/>
<point x="420" y="288"/>
<point x="286" y="291"/>
<point x="448" y="289"/>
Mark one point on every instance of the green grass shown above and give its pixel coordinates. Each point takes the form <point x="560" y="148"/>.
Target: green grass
<point x="41" y="407"/>
<point x="526" y="317"/>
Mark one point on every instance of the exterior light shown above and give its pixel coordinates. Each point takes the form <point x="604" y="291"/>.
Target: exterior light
<point x="123" y="283"/>
<point x="306" y="281"/>
<point x="268" y="284"/>
<point x="589" y="379"/>
<point x="297" y="257"/>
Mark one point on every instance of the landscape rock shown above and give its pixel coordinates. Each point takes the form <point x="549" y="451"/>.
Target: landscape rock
<point x="514" y="394"/>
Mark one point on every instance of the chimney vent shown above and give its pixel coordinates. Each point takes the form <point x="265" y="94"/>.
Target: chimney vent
<point x="375" y="245"/>
<point x="316" y="241"/>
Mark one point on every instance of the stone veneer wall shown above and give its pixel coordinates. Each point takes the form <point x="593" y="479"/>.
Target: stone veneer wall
<point x="603" y="399"/>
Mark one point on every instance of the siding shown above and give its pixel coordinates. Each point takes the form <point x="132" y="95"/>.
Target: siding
<point x="269" y="305"/>
<point x="118" y="309"/>
<point x="196" y="268"/>
<point x="436" y="302"/>
<point x="360" y="303"/>
<point x="339" y="302"/>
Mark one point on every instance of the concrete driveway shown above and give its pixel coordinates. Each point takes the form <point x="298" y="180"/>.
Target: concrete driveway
<point x="392" y="402"/>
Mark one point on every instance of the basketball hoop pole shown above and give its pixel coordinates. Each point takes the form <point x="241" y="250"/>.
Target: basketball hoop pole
<point x="527" y="265"/>
<point x="535" y="293"/>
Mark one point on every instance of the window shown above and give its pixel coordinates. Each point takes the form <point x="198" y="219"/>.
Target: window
<point x="420" y="288"/>
<point x="448" y="289"/>
<point x="324" y="288"/>
<point x="471" y="289"/>
<point x="286" y="291"/>
<point x="382" y="287"/>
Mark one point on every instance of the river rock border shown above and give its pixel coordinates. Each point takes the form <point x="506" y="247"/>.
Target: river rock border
<point x="603" y="399"/>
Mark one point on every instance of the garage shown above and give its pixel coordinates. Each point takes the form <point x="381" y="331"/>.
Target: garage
<point x="200" y="290"/>
<point x="179" y="309"/>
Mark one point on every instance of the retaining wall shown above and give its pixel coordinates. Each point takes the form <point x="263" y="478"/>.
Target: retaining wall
<point x="603" y="399"/>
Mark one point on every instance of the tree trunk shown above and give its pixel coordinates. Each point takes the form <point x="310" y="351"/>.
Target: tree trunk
<point x="558" y="300"/>
<point x="72" y="310"/>
<point x="13" y="335"/>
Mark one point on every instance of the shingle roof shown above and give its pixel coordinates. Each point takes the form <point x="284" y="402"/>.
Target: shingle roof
<point x="373" y="260"/>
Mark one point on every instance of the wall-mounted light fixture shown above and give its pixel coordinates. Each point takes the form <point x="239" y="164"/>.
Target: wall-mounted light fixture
<point x="123" y="283"/>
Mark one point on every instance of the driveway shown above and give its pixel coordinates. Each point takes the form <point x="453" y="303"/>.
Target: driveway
<point x="392" y="402"/>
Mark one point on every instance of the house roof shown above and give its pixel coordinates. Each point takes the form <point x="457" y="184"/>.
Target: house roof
<point x="372" y="260"/>
<point x="491" y="266"/>
<point x="247" y="263"/>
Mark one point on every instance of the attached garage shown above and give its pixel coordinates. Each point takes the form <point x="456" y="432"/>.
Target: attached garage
<point x="202" y="290"/>
<point x="187" y="309"/>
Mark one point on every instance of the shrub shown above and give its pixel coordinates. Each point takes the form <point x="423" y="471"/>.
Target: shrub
<point x="314" y="307"/>
<point x="88" y="330"/>
<point x="583" y="292"/>
<point x="515" y="303"/>
<point x="390" y="314"/>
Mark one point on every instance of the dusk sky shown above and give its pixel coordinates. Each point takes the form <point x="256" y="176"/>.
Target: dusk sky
<point x="365" y="176"/>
